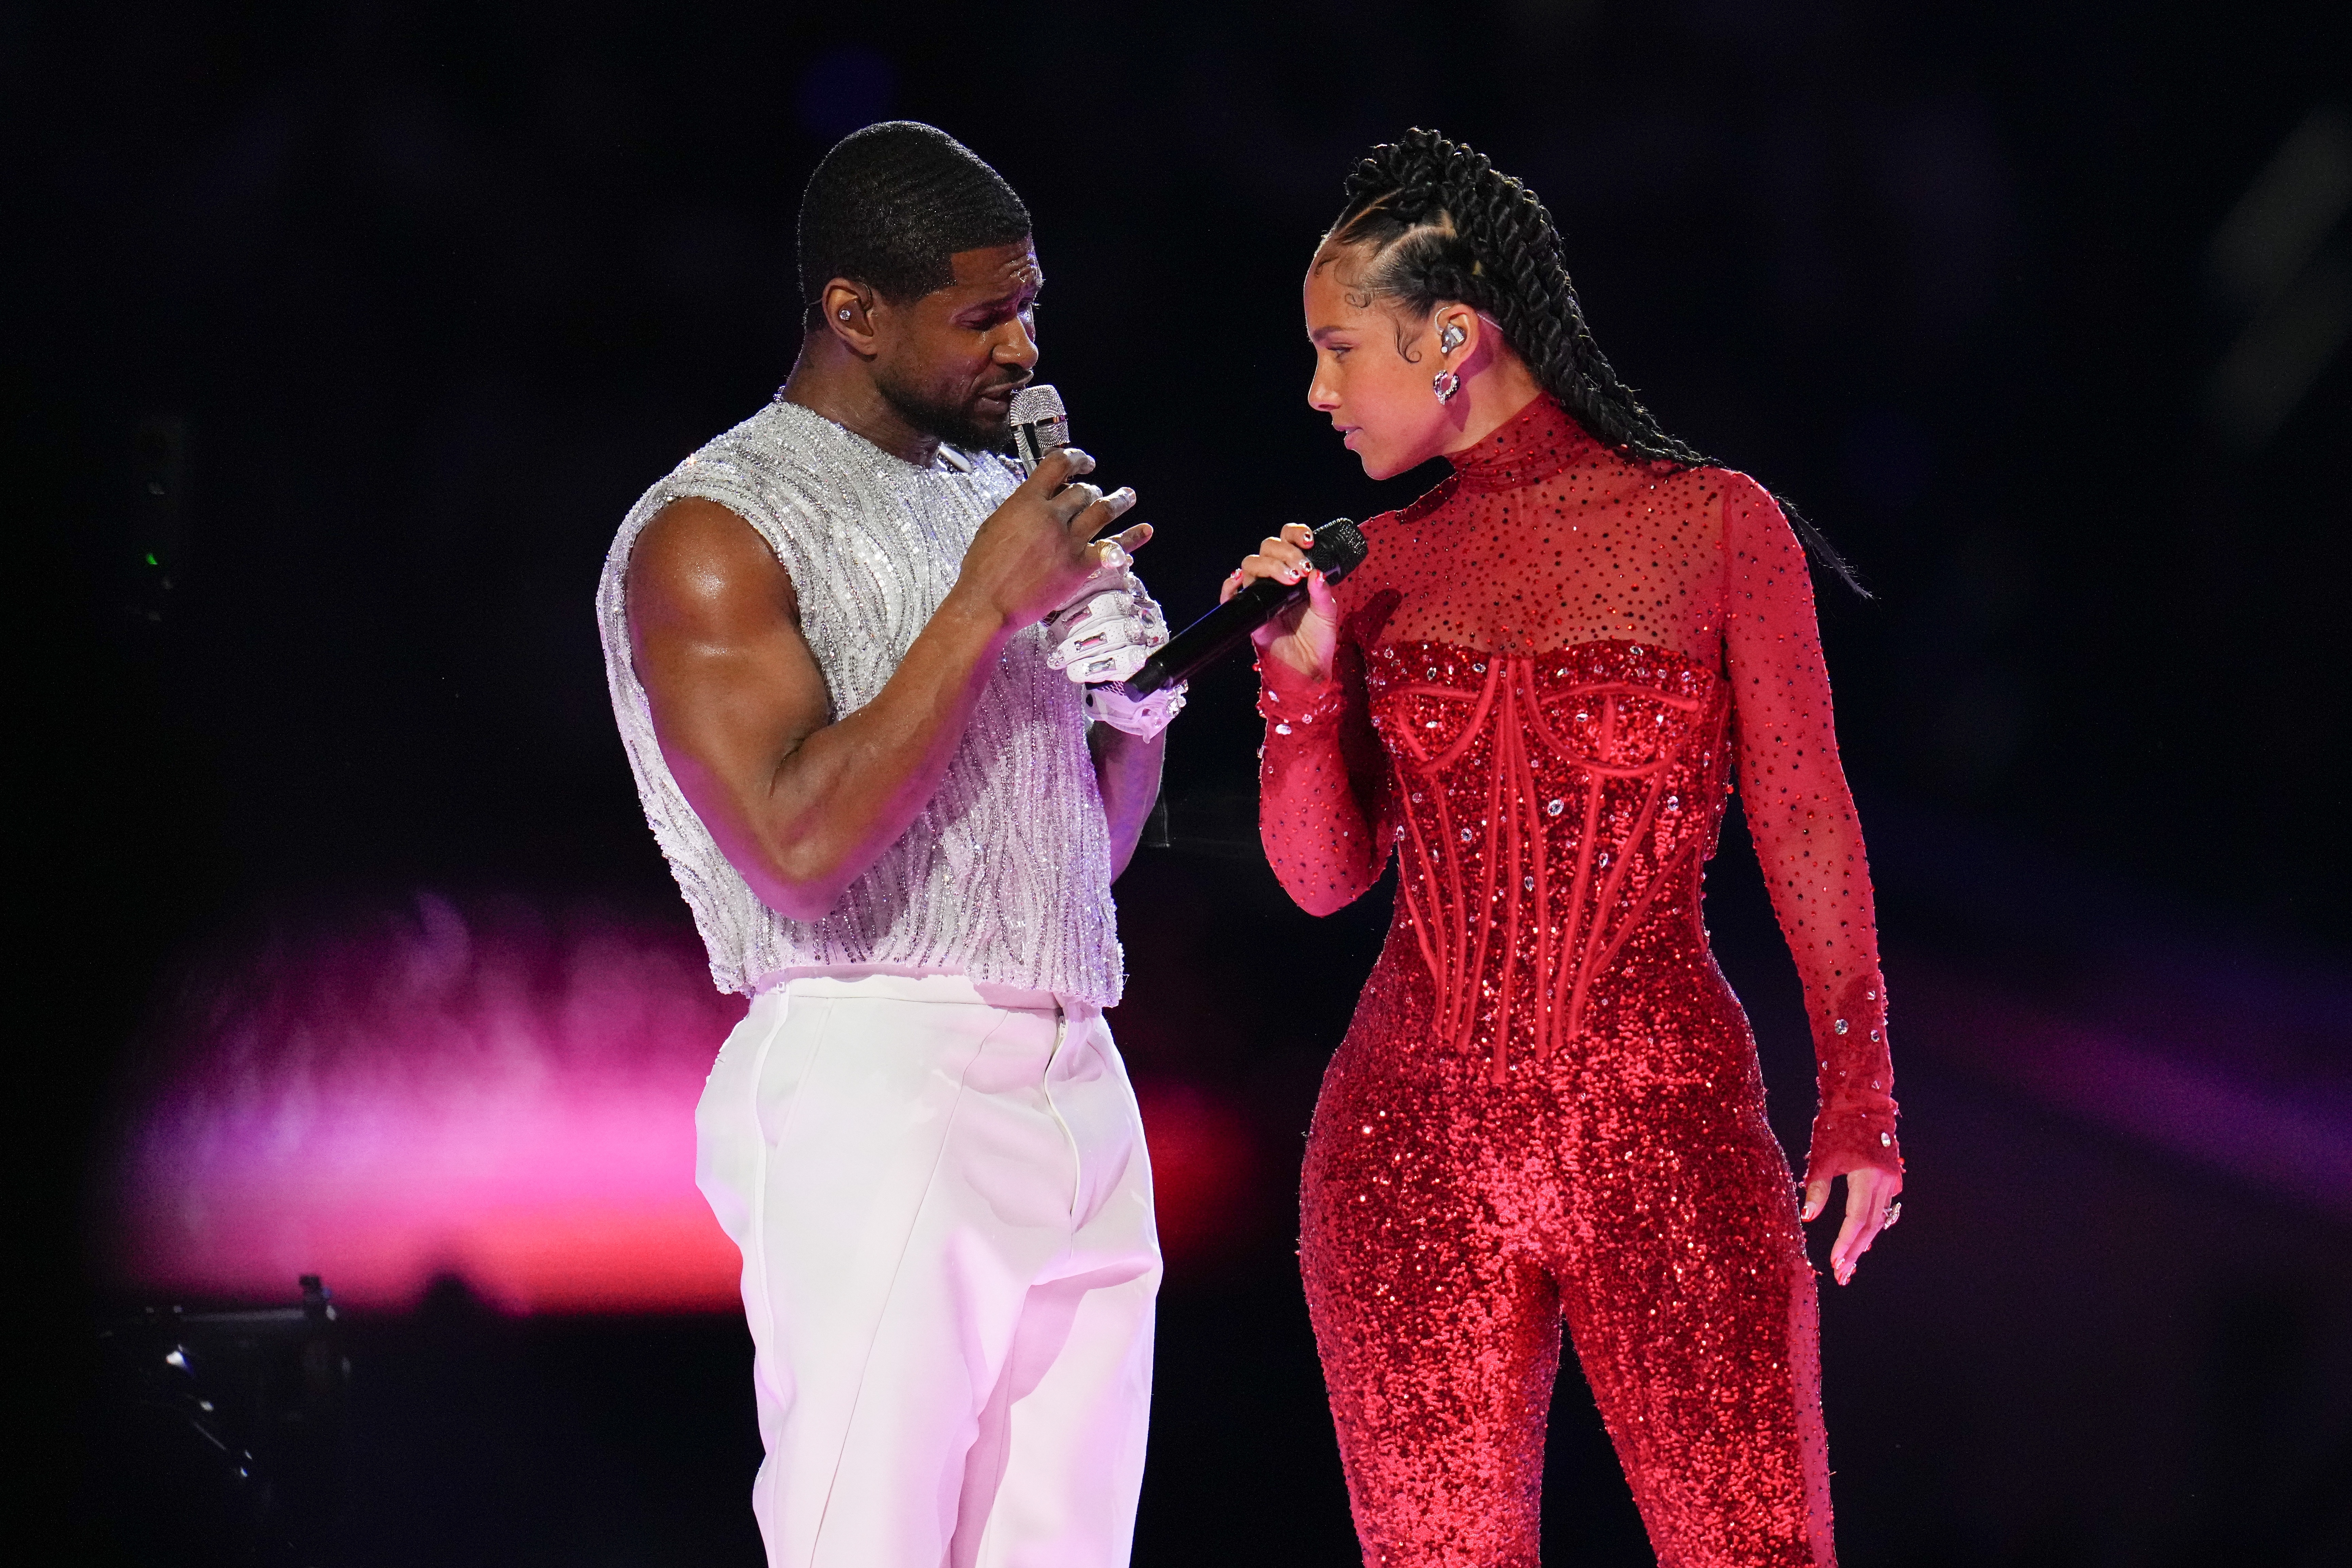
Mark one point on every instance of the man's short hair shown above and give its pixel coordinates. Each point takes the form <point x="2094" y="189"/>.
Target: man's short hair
<point x="889" y="206"/>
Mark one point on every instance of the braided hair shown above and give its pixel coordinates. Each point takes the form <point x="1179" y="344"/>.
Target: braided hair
<point x="1443" y="224"/>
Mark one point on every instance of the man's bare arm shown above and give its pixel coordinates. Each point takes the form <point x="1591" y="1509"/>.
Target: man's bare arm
<point x="1127" y="771"/>
<point x="799" y="802"/>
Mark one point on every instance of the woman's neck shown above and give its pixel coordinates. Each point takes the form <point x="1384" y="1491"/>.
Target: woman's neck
<point x="1493" y="397"/>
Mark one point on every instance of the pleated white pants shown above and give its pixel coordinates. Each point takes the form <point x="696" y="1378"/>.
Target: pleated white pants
<point x="944" y="1208"/>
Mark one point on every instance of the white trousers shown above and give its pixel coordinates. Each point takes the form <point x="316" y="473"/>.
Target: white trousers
<point x="944" y="1209"/>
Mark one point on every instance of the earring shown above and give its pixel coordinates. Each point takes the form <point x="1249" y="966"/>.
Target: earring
<point x="1446" y="383"/>
<point x="844" y="312"/>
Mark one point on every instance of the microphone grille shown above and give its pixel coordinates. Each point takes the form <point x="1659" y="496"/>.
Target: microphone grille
<point x="1339" y="548"/>
<point x="1039" y="423"/>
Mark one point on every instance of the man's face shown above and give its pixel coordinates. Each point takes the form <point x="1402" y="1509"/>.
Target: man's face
<point x="951" y="361"/>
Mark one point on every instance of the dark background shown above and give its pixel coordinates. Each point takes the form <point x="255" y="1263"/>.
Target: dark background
<point x="368" y="322"/>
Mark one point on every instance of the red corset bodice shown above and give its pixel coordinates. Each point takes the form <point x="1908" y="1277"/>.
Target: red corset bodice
<point x="1549" y="670"/>
<point x="1544" y="804"/>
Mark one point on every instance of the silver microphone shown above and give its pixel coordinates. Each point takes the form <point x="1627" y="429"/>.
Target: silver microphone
<point x="1040" y="423"/>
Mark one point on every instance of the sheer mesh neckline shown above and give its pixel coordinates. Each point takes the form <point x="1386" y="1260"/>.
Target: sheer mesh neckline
<point x="1539" y="441"/>
<point x="1543" y="538"/>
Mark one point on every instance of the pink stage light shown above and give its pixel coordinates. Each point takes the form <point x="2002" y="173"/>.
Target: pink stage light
<point x="491" y="1094"/>
<point x="484" y="1095"/>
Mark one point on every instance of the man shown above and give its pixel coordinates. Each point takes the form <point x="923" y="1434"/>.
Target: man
<point x="826" y="634"/>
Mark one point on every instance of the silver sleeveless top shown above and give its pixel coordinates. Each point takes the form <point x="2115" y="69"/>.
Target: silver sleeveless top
<point x="1005" y="877"/>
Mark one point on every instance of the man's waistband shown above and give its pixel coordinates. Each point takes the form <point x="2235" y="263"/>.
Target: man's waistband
<point x="887" y="983"/>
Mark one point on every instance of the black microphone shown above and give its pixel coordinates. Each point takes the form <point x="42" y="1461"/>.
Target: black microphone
<point x="1338" y="549"/>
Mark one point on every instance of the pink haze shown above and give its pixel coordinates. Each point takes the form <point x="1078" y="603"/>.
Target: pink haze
<point x="484" y="1092"/>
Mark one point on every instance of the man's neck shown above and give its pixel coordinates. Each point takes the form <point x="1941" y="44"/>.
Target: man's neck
<point x="827" y="380"/>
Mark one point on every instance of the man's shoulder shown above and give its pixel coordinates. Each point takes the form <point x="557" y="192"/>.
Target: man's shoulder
<point x="770" y="469"/>
<point x="801" y="449"/>
<point x="787" y="469"/>
<point x="781" y="441"/>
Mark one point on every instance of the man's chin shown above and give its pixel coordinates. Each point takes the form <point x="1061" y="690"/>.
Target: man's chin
<point x="982" y="425"/>
<point x="987" y="431"/>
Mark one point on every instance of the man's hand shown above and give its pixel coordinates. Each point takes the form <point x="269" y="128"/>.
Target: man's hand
<point x="1037" y="551"/>
<point x="1110" y="631"/>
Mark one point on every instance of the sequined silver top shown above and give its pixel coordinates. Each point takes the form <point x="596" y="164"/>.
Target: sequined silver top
<point x="1005" y="877"/>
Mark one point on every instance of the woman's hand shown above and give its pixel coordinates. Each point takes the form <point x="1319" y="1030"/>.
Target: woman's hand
<point x="1305" y="637"/>
<point x="1869" y="1207"/>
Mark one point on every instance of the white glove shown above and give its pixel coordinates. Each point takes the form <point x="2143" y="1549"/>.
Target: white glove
<point x="1108" y="631"/>
<point x="1142" y="716"/>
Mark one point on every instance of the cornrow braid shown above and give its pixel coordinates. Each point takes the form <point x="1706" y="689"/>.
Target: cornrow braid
<point x="1442" y="224"/>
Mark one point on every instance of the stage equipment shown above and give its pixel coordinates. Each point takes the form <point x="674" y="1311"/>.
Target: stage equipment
<point x="218" y="1435"/>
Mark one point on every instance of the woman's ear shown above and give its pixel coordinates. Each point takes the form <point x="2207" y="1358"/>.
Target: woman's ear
<point x="1464" y="337"/>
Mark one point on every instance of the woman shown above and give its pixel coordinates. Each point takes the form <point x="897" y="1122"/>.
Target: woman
<point x="1538" y="692"/>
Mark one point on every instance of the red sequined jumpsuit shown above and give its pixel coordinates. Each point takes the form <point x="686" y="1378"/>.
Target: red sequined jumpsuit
<point x="1547" y="1108"/>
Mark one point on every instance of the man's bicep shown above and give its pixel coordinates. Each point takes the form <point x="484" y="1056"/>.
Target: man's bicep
<point x="715" y="632"/>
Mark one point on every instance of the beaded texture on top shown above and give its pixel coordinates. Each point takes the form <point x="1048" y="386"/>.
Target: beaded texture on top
<point x="1004" y="875"/>
<point x="1550" y="672"/>
<point x="1609" y="644"/>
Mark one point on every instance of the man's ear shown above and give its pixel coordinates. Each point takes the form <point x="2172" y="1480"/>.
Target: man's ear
<point x="849" y="315"/>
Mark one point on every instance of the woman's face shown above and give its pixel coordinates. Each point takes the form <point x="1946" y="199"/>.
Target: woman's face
<point x="1379" y="399"/>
